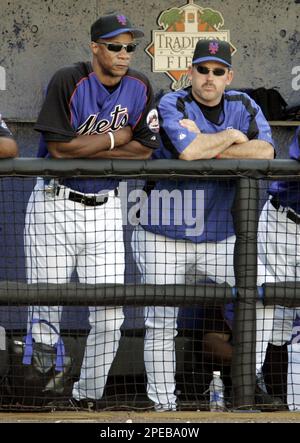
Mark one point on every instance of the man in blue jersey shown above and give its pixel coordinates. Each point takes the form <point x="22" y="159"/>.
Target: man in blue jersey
<point x="278" y="246"/>
<point x="199" y="122"/>
<point x="97" y="110"/>
<point x="8" y="146"/>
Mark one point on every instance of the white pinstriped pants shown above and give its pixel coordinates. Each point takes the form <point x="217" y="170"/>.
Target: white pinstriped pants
<point x="162" y="260"/>
<point x="279" y="248"/>
<point x="60" y="236"/>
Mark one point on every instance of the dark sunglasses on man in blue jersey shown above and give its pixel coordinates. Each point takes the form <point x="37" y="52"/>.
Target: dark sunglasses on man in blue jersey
<point x="117" y="47"/>
<point x="218" y="72"/>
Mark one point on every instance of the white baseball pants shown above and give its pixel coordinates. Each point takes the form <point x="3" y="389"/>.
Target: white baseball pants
<point x="279" y="249"/>
<point x="162" y="260"/>
<point x="60" y="236"/>
<point x="293" y="380"/>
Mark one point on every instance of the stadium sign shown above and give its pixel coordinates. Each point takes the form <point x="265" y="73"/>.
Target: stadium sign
<point x="173" y="45"/>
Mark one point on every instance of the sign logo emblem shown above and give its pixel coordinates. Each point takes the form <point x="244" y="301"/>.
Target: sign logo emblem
<point x="173" y="45"/>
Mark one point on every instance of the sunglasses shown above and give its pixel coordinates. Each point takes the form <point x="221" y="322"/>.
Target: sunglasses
<point x="218" y="72"/>
<point x="117" y="47"/>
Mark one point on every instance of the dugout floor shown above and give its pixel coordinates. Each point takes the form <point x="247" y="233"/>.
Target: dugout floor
<point x="150" y="417"/>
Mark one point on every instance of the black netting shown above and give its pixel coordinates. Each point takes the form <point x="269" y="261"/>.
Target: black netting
<point x="102" y="307"/>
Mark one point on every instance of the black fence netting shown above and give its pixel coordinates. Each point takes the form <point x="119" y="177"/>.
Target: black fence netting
<point x="132" y="295"/>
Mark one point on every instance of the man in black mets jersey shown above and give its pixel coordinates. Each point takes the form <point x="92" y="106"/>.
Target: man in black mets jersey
<point x="97" y="110"/>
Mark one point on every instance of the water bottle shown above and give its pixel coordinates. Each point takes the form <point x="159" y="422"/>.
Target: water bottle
<point x="216" y="393"/>
<point x="2" y="339"/>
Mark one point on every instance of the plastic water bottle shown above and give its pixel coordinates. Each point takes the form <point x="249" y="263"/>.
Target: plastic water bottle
<point x="2" y="339"/>
<point x="216" y="393"/>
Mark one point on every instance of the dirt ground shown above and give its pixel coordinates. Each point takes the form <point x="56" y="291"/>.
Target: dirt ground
<point x="150" y="417"/>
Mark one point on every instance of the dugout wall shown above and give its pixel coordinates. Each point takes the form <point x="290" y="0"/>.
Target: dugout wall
<point x="38" y="38"/>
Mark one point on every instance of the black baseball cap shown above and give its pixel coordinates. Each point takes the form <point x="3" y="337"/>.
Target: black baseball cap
<point x="212" y="50"/>
<point x="112" y="25"/>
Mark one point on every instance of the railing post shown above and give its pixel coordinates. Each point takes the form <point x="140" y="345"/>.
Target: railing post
<point x="245" y="214"/>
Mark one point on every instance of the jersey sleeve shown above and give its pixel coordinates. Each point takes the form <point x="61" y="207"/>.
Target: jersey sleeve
<point x="294" y="149"/>
<point x="174" y="136"/>
<point x="4" y="131"/>
<point x="254" y="123"/>
<point x="55" y="115"/>
<point x="146" y="130"/>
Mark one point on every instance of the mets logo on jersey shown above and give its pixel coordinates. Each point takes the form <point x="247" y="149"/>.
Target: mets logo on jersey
<point x="152" y="120"/>
<point x="173" y="44"/>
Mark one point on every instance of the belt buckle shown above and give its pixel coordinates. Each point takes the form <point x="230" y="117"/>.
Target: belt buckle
<point x="89" y="201"/>
<point x="51" y="187"/>
<point x="101" y="199"/>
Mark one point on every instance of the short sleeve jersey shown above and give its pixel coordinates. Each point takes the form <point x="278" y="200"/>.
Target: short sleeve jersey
<point x="201" y="211"/>
<point x="288" y="192"/>
<point x="77" y="103"/>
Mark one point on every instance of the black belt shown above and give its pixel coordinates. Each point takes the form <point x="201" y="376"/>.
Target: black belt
<point x="78" y="197"/>
<point x="289" y="214"/>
